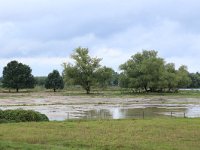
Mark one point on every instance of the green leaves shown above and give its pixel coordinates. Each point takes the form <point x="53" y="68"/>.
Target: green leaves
<point x="105" y="76"/>
<point x="18" y="76"/>
<point x="54" y="81"/>
<point x="83" y="72"/>
<point x="146" y="71"/>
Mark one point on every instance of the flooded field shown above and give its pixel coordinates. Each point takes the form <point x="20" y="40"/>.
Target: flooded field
<point x="66" y="107"/>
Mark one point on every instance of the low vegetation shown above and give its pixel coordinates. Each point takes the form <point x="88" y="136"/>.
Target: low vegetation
<point x="20" y="115"/>
<point x="155" y="134"/>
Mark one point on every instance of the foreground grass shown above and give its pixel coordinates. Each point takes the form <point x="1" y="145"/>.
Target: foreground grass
<point x="155" y="134"/>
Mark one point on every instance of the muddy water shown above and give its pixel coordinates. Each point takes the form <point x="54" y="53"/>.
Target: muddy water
<point x="74" y="107"/>
<point x="111" y="111"/>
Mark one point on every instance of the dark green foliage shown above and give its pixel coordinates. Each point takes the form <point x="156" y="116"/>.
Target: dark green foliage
<point x="104" y="76"/>
<point x="54" y="81"/>
<point x="115" y="79"/>
<point x="183" y="77"/>
<point x="124" y="80"/>
<point x="17" y="76"/>
<point x="20" y="115"/>
<point x="1" y="84"/>
<point x="40" y="81"/>
<point x="195" y="80"/>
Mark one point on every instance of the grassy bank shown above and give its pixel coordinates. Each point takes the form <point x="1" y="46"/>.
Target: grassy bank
<point x="165" y="134"/>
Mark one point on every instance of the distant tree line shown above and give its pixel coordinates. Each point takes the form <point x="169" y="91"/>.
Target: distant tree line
<point x="143" y="72"/>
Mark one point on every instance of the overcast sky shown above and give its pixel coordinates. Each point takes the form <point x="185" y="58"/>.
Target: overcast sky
<point x="43" y="33"/>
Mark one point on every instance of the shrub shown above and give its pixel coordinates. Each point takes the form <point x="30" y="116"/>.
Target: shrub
<point x="20" y="115"/>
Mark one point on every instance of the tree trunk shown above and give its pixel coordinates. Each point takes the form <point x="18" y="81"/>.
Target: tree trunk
<point x="145" y="88"/>
<point x="87" y="87"/>
<point x="88" y="90"/>
<point x="17" y="90"/>
<point x="54" y="90"/>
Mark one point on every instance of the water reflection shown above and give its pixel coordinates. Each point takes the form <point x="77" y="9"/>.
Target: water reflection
<point x="127" y="113"/>
<point x="63" y="112"/>
<point x="193" y="111"/>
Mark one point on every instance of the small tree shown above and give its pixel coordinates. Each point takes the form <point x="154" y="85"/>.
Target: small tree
<point x="54" y="81"/>
<point x="84" y="71"/>
<point x="17" y="76"/>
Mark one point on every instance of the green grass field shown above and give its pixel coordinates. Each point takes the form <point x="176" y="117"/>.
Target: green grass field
<point x="148" y="134"/>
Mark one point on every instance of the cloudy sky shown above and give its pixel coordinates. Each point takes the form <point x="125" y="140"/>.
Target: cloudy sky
<point x="43" y="33"/>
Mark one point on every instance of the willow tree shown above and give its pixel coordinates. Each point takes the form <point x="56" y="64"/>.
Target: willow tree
<point x="146" y="71"/>
<point x="83" y="72"/>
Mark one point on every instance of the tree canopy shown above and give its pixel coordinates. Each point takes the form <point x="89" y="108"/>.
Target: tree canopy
<point x="17" y="76"/>
<point x="105" y="77"/>
<point x="54" y="81"/>
<point x="83" y="72"/>
<point x="195" y="78"/>
<point x="146" y="71"/>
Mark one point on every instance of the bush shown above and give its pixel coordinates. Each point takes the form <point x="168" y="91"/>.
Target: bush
<point x="20" y="115"/>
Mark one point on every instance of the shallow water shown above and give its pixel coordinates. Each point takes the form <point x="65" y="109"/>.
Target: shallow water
<point x="95" y="111"/>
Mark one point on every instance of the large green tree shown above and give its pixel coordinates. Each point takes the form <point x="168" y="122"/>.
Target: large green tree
<point x="17" y="76"/>
<point x="83" y="72"/>
<point x="146" y="71"/>
<point x="54" y="81"/>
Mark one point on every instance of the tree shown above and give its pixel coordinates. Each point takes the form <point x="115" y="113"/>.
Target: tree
<point x="54" y="81"/>
<point x="83" y="71"/>
<point x="104" y="76"/>
<point x="183" y="77"/>
<point x="17" y="76"/>
<point x="115" y="79"/>
<point x="170" y="76"/>
<point x="1" y="79"/>
<point x="195" y="80"/>
<point x="124" y="81"/>
<point x="144" y="71"/>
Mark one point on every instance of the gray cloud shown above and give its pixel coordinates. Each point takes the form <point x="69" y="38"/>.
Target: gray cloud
<point x="49" y="29"/>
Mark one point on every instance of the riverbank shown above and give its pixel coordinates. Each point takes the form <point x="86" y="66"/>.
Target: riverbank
<point x="165" y="134"/>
